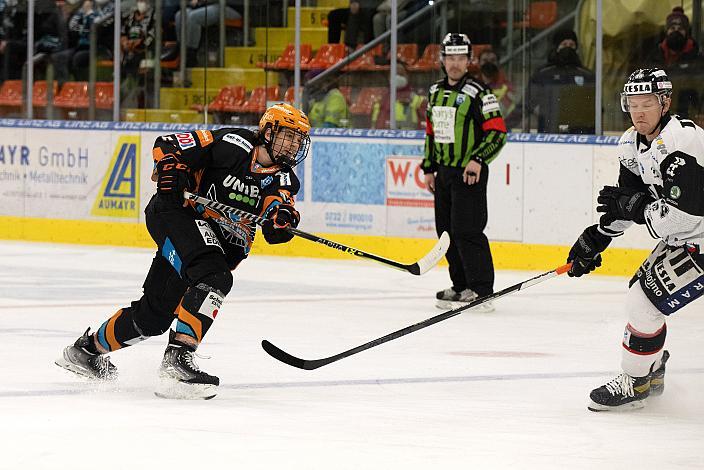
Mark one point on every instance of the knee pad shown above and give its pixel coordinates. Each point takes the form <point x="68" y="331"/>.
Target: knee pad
<point x="644" y="344"/>
<point x="210" y="269"/>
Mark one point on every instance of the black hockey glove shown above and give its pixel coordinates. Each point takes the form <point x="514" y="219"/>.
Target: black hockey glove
<point x="173" y="178"/>
<point x="282" y="217"/>
<point x="585" y="254"/>
<point x="622" y="204"/>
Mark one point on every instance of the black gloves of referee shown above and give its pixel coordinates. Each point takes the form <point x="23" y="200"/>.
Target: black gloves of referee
<point x="585" y="254"/>
<point x="279" y="219"/>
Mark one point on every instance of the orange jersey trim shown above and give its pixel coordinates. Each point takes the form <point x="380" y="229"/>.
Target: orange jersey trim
<point x="205" y="138"/>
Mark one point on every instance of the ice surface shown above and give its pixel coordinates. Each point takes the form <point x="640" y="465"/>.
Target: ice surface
<point x="501" y="390"/>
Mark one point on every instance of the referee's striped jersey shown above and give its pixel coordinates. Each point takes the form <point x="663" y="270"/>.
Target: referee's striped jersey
<point x="464" y="123"/>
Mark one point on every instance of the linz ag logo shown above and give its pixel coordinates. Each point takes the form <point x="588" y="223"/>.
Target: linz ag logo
<point x="637" y="88"/>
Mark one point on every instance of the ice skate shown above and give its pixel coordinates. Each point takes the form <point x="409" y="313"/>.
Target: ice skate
<point x="79" y="360"/>
<point x="657" y="377"/>
<point x="180" y="377"/>
<point x="450" y="299"/>
<point x="623" y="393"/>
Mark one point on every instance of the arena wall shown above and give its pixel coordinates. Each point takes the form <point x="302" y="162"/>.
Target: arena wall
<point x="88" y="183"/>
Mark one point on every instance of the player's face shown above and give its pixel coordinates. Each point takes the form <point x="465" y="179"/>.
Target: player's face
<point x="456" y="66"/>
<point x="287" y="145"/>
<point x="289" y="141"/>
<point x="645" y="111"/>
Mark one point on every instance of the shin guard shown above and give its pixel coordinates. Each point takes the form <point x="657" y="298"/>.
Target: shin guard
<point x="197" y="310"/>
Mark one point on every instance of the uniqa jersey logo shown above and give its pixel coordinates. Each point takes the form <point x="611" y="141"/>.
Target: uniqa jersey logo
<point x="119" y="191"/>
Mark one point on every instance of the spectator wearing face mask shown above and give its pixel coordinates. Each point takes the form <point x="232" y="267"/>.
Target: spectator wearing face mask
<point x="409" y="110"/>
<point x="137" y="36"/>
<point x="561" y="94"/>
<point x="678" y="54"/>
<point x="493" y="76"/>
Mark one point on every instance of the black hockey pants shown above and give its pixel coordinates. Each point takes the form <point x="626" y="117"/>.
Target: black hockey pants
<point x="461" y="210"/>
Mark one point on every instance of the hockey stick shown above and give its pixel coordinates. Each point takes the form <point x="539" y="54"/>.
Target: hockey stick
<point x="306" y="364"/>
<point x="421" y="266"/>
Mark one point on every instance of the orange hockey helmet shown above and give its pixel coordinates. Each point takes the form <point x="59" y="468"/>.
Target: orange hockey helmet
<point x="289" y="140"/>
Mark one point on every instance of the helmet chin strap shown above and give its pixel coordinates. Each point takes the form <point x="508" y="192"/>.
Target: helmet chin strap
<point x="662" y="115"/>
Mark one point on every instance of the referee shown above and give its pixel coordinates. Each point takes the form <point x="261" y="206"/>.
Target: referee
<point x="465" y="132"/>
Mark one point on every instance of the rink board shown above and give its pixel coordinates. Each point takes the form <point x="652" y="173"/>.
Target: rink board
<point x="88" y="183"/>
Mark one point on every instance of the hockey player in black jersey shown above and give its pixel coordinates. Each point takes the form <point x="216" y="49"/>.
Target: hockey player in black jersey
<point x="660" y="185"/>
<point x="191" y="272"/>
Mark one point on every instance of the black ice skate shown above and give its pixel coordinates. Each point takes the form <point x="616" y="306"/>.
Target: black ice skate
<point x="80" y="360"/>
<point x="450" y="299"/>
<point x="657" y="377"/>
<point x="620" y="394"/>
<point x="180" y="376"/>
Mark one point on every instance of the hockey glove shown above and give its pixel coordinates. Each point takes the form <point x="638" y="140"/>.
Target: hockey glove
<point x="585" y="254"/>
<point x="282" y="217"/>
<point x="622" y="204"/>
<point x="173" y="178"/>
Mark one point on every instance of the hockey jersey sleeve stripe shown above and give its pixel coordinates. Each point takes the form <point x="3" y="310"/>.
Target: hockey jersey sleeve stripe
<point x="495" y="124"/>
<point x="609" y="232"/>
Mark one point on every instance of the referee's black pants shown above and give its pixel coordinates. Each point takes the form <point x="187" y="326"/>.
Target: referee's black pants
<point x="461" y="210"/>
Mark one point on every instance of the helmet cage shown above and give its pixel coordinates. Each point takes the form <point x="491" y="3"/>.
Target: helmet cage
<point x="287" y="146"/>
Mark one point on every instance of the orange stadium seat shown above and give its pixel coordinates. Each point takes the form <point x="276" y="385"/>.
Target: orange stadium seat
<point x="11" y="93"/>
<point x="366" y="98"/>
<point x="407" y="53"/>
<point x="365" y="62"/>
<point x="287" y="61"/>
<point x="104" y="95"/>
<point x="430" y="60"/>
<point x="540" y="15"/>
<point x="39" y="93"/>
<point x="289" y="96"/>
<point x="227" y="99"/>
<point x="173" y="63"/>
<point x="327" y="55"/>
<point x="234" y="23"/>
<point x="73" y="95"/>
<point x="256" y="103"/>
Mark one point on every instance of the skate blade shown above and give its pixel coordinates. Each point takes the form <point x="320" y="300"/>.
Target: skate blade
<point x="630" y="406"/>
<point x="81" y="371"/>
<point x="176" y="390"/>
<point x="450" y="305"/>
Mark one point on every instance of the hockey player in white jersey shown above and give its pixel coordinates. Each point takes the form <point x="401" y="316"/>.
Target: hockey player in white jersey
<point x="661" y="185"/>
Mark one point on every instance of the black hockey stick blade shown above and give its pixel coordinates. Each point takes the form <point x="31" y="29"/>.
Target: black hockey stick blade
<point x="306" y="364"/>
<point x="423" y="265"/>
